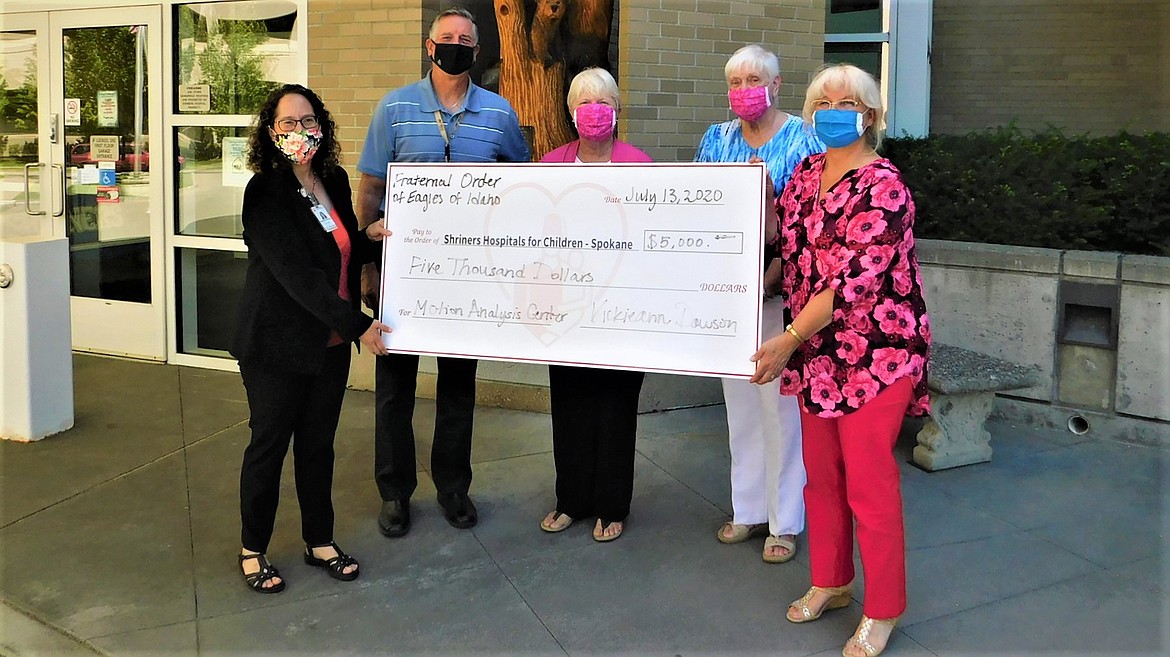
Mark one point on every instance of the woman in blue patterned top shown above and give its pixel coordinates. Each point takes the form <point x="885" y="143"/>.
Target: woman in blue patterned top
<point x="767" y="475"/>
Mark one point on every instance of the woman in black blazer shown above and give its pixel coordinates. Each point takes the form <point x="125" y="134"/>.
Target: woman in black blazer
<point x="299" y="312"/>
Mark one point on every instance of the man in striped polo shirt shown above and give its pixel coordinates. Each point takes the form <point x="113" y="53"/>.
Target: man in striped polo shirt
<point x="443" y="117"/>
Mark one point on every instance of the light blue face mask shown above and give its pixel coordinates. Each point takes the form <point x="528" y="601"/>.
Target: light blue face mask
<point x="838" y="128"/>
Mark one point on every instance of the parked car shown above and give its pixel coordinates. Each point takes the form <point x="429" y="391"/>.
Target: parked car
<point x="129" y="158"/>
<point x="80" y="155"/>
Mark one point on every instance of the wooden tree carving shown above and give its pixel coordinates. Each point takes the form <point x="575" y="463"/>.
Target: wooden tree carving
<point x="534" y="57"/>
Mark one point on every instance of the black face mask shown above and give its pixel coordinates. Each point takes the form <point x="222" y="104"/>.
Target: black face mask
<point x="454" y="58"/>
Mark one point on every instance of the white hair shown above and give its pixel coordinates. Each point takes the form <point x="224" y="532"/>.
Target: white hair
<point x="593" y="81"/>
<point x="753" y="59"/>
<point x="858" y="84"/>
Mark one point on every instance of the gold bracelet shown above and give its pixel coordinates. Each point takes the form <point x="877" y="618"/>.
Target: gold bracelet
<point x="791" y="330"/>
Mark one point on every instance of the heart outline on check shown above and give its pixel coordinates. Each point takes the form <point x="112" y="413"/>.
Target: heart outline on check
<point x="553" y="224"/>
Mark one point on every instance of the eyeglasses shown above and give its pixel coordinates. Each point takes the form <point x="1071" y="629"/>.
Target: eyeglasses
<point x="309" y="122"/>
<point x="843" y="104"/>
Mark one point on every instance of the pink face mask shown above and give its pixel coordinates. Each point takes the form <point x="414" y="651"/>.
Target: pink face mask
<point x="750" y="104"/>
<point x="595" y="121"/>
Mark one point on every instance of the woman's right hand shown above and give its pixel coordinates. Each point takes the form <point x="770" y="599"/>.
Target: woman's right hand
<point x="377" y="231"/>
<point x="372" y="338"/>
<point x="772" y="357"/>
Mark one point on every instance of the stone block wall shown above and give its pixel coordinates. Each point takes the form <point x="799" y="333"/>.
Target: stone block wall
<point x="1013" y="302"/>
<point x="1143" y="377"/>
<point x="1075" y="64"/>
<point x="997" y="300"/>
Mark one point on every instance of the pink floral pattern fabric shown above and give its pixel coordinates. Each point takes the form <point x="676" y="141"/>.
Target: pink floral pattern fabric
<point x="857" y="241"/>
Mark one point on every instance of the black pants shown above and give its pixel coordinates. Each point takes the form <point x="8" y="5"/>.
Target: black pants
<point x="395" y="378"/>
<point x="595" y="421"/>
<point x="304" y="408"/>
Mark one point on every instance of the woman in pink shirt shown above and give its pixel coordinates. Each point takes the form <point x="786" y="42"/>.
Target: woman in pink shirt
<point x="855" y="353"/>
<point x="594" y="411"/>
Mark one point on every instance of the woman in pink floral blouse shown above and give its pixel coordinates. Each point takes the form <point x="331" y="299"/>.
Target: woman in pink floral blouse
<point x="855" y="353"/>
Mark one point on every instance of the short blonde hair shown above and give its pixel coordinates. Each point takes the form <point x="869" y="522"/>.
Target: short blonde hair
<point x="855" y="82"/>
<point x="454" y="11"/>
<point x="753" y="58"/>
<point x="593" y="81"/>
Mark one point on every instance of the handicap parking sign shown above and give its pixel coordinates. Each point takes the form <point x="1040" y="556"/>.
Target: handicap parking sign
<point x="107" y="177"/>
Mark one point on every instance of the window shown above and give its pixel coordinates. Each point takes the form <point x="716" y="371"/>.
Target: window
<point x="231" y="54"/>
<point x="891" y="40"/>
<point x="228" y="56"/>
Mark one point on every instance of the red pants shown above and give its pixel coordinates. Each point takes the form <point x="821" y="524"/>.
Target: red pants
<point x="852" y="475"/>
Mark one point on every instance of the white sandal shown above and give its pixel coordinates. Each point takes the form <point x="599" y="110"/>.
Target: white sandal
<point x="556" y="522"/>
<point x="740" y="533"/>
<point x="787" y="541"/>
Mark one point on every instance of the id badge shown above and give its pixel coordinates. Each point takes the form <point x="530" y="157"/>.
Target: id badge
<point x="324" y="218"/>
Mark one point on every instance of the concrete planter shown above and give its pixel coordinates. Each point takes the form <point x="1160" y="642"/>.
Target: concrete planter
<point x="1095" y="324"/>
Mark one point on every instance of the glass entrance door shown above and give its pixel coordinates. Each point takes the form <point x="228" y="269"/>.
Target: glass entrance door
<point x="30" y="193"/>
<point x="104" y="79"/>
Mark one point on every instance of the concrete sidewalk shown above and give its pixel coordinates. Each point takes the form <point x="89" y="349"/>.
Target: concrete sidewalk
<point x="119" y="538"/>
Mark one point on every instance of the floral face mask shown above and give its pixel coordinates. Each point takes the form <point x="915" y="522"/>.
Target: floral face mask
<point x="298" y="146"/>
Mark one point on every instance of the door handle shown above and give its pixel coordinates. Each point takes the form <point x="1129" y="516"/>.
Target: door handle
<point x="28" y="189"/>
<point x="61" y="170"/>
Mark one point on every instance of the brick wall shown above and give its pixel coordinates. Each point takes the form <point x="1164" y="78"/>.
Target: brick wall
<point x="670" y="68"/>
<point x="1096" y="66"/>
<point x="359" y="50"/>
<point x="672" y="55"/>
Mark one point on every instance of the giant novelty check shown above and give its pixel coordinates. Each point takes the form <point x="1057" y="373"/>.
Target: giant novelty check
<point x="652" y="267"/>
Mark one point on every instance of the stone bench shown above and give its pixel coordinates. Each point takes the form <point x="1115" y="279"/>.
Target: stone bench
<point x="962" y="385"/>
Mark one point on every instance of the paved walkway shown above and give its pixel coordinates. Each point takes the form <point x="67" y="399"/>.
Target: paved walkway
<point x="119" y="538"/>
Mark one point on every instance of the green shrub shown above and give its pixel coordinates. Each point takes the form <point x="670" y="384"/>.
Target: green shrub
<point x="1006" y="187"/>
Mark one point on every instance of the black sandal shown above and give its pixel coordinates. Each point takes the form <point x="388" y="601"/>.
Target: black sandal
<point x="258" y="579"/>
<point x="335" y="566"/>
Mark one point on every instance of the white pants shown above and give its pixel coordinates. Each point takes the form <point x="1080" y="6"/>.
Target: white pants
<point x="763" y="427"/>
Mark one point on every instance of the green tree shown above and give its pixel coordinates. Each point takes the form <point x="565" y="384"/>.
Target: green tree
<point x="222" y="54"/>
<point x="3" y="96"/>
<point x="231" y="67"/>
<point x="22" y="101"/>
<point x="102" y="59"/>
<point x="18" y="111"/>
